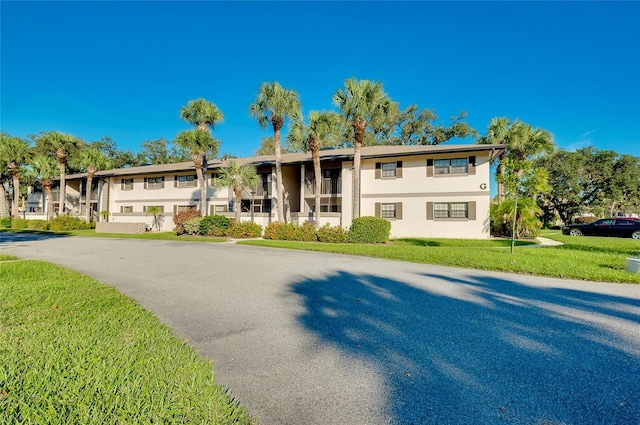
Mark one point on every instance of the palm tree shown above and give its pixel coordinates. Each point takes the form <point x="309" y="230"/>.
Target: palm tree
<point x="45" y="170"/>
<point x="14" y="152"/>
<point x="201" y="113"/>
<point x="323" y="126"/>
<point x="201" y="145"/>
<point x="91" y="160"/>
<point x="60" y="146"/>
<point x="361" y="103"/>
<point x="204" y="115"/>
<point x="155" y="210"/>
<point x="522" y="140"/>
<point x="238" y="177"/>
<point x="273" y="105"/>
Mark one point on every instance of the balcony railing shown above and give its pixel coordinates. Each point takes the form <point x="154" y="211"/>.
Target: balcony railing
<point x="328" y="186"/>
<point x="261" y="191"/>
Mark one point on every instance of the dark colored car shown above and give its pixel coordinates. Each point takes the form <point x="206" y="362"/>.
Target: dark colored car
<point x="619" y="227"/>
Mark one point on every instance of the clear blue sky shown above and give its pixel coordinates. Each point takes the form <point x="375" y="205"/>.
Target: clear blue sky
<point x="124" y="69"/>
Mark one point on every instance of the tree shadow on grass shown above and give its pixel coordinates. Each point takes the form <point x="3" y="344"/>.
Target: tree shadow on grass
<point x="484" y="350"/>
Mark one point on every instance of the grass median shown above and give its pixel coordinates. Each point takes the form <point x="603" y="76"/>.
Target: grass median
<point x="162" y="236"/>
<point x="584" y="258"/>
<point x="75" y="351"/>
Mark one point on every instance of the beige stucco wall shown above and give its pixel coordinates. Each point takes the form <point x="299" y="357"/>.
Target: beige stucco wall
<point x="414" y="189"/>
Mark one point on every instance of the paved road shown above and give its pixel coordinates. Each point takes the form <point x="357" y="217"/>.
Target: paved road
<point x="307" y="338"/>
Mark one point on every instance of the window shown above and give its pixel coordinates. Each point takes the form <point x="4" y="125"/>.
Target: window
<point x="160" y="208"/>
<point x="184" y="208"/>
<point x="186" y="181"/>
<point x="451" y="166"/>
<point x="451" y="210"/>
<point x="219" y="208"/>
<point x="389" y="210"/>
<point x="154" y="182"/>
<point x="127" y="184"/>
<point x="387" y="170"/>
<point x="126" y="209"/>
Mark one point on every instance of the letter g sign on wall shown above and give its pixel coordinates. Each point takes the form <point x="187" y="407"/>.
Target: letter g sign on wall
<point x="483" y="186"/>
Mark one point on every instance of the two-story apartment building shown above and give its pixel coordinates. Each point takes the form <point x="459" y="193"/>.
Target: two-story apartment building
<point x="424" y="191"/>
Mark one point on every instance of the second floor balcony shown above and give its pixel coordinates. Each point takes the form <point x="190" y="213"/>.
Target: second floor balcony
<point x="329" y="186"/>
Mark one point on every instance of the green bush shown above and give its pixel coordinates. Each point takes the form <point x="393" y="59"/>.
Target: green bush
<point x="64" y="223"/>
<point x="5" y="222"/>
<point x="369" y="230"/>
<point x="19" y="223"/>
<point x="181" y="218"/>
<point x="330" y="234"/>
<point x="215" y="225"/>
<point x="245" y="229"/>
<point x="290" y="232"/>
<point x="192" y="227"/>
<point x="38" y="225"/>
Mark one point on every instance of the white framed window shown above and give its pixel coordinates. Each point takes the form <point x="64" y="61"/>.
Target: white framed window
<point x="388" y="210"/>
<point x="184" y="208"/>
<point x="186" y="181"/>
<point x="127" y="184"/>
<point x="451" y="166"/>
<point x="451" y="210"/>
<point x="388" y="169"/>
<point x="154" y="182"/>
<point x="126" y="209"/>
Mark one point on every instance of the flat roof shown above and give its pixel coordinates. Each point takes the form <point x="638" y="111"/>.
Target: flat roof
<point x="341" y="154"/>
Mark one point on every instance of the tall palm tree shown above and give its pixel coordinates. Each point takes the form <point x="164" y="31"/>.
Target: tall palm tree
<point x="59" y="145"/>
<point x="202" y="113"/>
<point x="205" y="116"/>
<point x="91" y="160"/>
<point x="201" y="145"/>
<point x="273" y="105"/>
<point x="322" y="128"/>
<point x="361" y="103"/>
<point x="522" y="142"/>
<point x="45" y="170"/>
<point x="238" y="177"/>
<point x="14" y="152"/>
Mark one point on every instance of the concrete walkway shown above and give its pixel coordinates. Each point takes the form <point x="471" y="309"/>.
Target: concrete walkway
<point x="312" y="338"/>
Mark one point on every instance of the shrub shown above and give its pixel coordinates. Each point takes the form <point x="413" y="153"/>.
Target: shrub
<point x="19" y="223"/>
<point x="192" y="226"/>
<point x="38" y="225"/>
<point x="215" y="225"/>
<point x="5" y="222"/>
<point x="369" y="230"/>
<point x="330" y="234"/>
<point x="245" y="229"/>
<point x="67" y="222"/>
<point x="181" y="218"/>
<point x="290" y="232"/>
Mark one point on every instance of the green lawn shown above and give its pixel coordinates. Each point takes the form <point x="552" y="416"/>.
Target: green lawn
<point x="584" y="258"/>
<point x="75" y="351"/>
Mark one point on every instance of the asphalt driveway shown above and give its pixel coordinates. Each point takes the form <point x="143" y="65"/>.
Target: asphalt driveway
<point x="310" y="338"/>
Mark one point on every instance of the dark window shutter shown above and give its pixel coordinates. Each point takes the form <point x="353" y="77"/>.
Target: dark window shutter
<point x="429" y="167"/>
<point x="378" y="170"/>
<point x="378" y="207"/>
<point x="399" y="169"/>
<point x="195" y="180"/>
<point x="472" y="165"/>
<point x="472" y="210"/>
<point x="399" y="210"/>
<point x="175" y="181"/>
<point x="175" y="210"/>
<point x="162" y="180"/>
<point x="122" y="184"/>
<point x="429" y="210"/>
<point x="146" y="183"/>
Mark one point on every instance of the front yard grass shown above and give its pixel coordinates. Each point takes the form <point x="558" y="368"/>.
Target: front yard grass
<point x="583" y="258"/>
<point x="164" y="236"/>
<point x="75" y="351"/>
